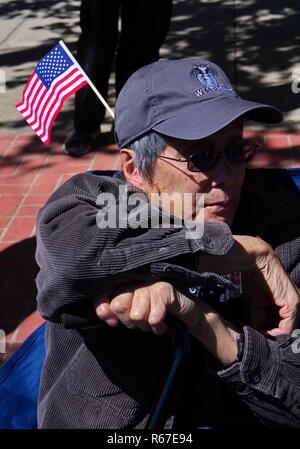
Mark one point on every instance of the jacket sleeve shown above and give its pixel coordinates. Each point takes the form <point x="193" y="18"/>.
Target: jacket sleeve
<point x="289" y="254"/>
<point x="77" y="258"/>
<point x="267" y="378"/>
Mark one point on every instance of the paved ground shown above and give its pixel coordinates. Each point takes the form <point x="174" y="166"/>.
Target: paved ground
<point x="257" y="43"/>
<point x="30" y="172"/>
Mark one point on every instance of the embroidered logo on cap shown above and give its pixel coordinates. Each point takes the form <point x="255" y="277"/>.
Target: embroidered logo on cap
<point x="209" y="78"/>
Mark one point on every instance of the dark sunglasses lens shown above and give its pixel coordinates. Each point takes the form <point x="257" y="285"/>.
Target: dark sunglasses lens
<point x="202" y="161"/>
<point x="240" y="154"/>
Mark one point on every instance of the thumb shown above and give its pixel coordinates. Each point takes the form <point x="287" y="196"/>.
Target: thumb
<point x="285" y="326"/>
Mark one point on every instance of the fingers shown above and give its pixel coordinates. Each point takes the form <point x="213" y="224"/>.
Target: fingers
<point x="284" y="327"/>
<point x="157" y="315"/>
<point x="130" y="307"/>
<point x="121" y="308"/>
<point x="144" y="307"/>
<point x="140" y="308"/>
<point x="104" y="312"/>
<point x="269" y="292"/>
<point x="289" y="316"/>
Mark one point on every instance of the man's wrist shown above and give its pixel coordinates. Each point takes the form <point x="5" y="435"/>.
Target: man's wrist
<point x="238" y="258"/>
<point x="217" y="335"/>
<point x="247" y="254"/>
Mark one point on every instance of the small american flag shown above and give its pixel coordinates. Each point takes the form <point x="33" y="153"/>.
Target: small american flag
<point x="56" y="77"/>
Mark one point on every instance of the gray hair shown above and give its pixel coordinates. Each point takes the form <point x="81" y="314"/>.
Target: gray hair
<point x="146" y="150"/>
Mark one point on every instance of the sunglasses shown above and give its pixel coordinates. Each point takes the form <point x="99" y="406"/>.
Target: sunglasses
<point x="239" y="153"/>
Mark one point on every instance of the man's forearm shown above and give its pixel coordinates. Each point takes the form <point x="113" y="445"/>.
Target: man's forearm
<point x="245" y="255"/>
<point x="216" y="334"/>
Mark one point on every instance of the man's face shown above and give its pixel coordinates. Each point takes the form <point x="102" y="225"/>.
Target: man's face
<point x="220" y="185"/>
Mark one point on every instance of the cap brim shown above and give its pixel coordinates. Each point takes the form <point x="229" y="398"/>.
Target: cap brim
<point x="203" y="119"/>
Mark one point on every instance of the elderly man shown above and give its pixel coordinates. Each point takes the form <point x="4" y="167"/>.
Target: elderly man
<point x="179" y="126"/>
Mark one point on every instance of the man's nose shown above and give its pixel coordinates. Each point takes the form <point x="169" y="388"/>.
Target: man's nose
<point x="222" y="172"/>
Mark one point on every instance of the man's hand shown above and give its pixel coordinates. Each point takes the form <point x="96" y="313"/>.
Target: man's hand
<point x="266" y="285"/>
<point x="272" y="296"/>
<point x="145" y="307"/>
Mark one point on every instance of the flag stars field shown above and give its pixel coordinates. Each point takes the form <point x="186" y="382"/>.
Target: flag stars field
<point x="52" y="65"/>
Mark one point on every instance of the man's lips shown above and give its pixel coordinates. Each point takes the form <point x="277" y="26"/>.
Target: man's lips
<point x="218" y="205"/>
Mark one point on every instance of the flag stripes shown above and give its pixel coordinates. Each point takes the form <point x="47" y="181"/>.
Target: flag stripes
<point x="56" y="77"/>
<point x="40" y="106"/>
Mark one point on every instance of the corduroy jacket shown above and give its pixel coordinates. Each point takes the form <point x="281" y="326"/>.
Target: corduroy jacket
<point x="107" y="377"/>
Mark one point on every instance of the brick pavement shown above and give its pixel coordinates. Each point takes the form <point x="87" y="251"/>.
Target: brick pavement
<point x="29" y="173"/>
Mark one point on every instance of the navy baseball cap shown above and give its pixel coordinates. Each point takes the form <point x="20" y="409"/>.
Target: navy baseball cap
<point x="184" y="98"/>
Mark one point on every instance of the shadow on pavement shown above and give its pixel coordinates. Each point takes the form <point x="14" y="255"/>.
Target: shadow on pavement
<point x="257" y="42"/>
<point x="30" y="155"/>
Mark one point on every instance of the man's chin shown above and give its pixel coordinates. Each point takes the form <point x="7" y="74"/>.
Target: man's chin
<point x="206" y="214"/>
<point x="225" y="217"/>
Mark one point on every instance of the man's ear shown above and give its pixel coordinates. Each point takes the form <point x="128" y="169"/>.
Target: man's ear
<point x="130" y="171"/>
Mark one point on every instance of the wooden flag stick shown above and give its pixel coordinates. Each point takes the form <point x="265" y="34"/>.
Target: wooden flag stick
<point x="88" y="79"/>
